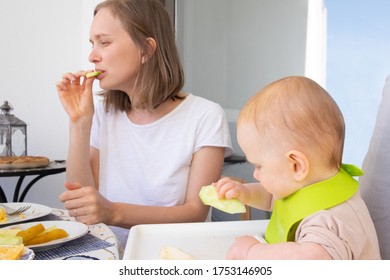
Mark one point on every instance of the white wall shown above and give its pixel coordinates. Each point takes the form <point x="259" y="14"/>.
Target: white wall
<point x="41" y="40"/>
<point x="231" y="49"/>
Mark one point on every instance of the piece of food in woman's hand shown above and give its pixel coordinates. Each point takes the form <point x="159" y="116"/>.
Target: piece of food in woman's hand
<point x="209" y="196"/>
<point x="47" y="236"/>
<point x="173" y="253"/>
<point x="92" y="74"/>
<point x="13" y="252"/>
<point x="31" y="232"/>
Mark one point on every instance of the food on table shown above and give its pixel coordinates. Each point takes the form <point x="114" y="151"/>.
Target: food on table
<point x="92" y="74"/>
<point x="10" y="240"/>
<point x="31" y="232"/>
<point x="48" y="236"/>
<point x="37" y="234"/>
<point x="9" y="231"/>
<point x="4" y="216"/>
<point x="13" y="252"/>
<point x="174" y="253"/>
<point x="15" y="162"/>
<point x="209" y="196"/>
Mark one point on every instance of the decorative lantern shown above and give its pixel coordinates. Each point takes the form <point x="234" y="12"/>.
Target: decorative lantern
<point x="13" y="133"/>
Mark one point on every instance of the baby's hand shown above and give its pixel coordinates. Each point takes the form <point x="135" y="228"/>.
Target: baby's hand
<point x="229" y="188"/>
<point x="240" y="248"/>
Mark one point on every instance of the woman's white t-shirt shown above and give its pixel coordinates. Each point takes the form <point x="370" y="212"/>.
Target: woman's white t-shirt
<point x="150" y="164"/>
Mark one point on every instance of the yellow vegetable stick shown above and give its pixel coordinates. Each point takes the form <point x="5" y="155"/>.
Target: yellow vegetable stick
<point x="31" y="232"/>
<point x="48" y="229"/>
<point x="48" y="236"/>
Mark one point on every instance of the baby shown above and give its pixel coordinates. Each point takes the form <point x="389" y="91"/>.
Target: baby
<point x="292" y="131"/>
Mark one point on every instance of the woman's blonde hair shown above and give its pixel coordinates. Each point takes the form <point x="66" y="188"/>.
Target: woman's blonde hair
<point x="161" y="77"/>
<point x="303" y="113"/>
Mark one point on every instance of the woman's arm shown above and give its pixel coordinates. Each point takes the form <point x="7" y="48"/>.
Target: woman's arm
<point x="75" y="94"/>
<point x="82" y="161"/>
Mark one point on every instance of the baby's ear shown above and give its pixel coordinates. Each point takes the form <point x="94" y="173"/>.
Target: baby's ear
<point x="299" y="164"/>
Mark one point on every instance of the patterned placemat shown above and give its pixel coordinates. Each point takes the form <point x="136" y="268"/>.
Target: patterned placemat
<point x="75" y="247"/>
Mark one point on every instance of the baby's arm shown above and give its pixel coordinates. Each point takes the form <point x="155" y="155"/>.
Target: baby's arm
<point x="247" y="247"/>
<point x="252" y="194"/>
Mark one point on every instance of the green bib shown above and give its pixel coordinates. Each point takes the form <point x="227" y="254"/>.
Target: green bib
<point x="289" y="212"/>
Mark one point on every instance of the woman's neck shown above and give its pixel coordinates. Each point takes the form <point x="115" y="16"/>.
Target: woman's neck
<point x="145" y="116"/>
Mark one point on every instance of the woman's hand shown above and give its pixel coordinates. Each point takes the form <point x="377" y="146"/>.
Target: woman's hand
<point x="75" y="93"/>
<point x="86" y="204"/>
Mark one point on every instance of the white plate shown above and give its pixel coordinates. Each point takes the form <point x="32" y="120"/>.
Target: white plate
<point x="74" y="229"/>
<point x="202" y="241"/>
<point x="35" y="211"/>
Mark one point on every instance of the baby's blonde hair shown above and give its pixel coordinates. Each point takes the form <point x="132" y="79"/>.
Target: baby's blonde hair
<point x="303" y="113"/>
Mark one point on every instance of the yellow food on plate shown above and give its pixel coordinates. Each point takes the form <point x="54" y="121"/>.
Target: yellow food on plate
<point x="48" y="236"/>
<point x="31" y="232"/>
<point x="10" y="240"/>
<point x="209" y="196"/>
<point x="8" y="237"/>
<point x="3" y="215"/>
<point x="34" y="235"/>
<point x="11" y="252"/>
<point x="9" y="231"/>
<point x="38" y="234"/>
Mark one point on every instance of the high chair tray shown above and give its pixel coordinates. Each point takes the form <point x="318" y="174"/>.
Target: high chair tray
<point x="203" y="241"/>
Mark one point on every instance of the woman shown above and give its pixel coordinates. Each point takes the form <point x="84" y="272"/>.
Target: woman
<point x="141" y="154"/>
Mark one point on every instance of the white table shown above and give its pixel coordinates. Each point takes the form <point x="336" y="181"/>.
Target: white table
<point x="203" y="241"/>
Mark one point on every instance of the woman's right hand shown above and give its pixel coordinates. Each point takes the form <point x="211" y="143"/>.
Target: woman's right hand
<point x="75" y="93"/>
<point x="86" y="204"/>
